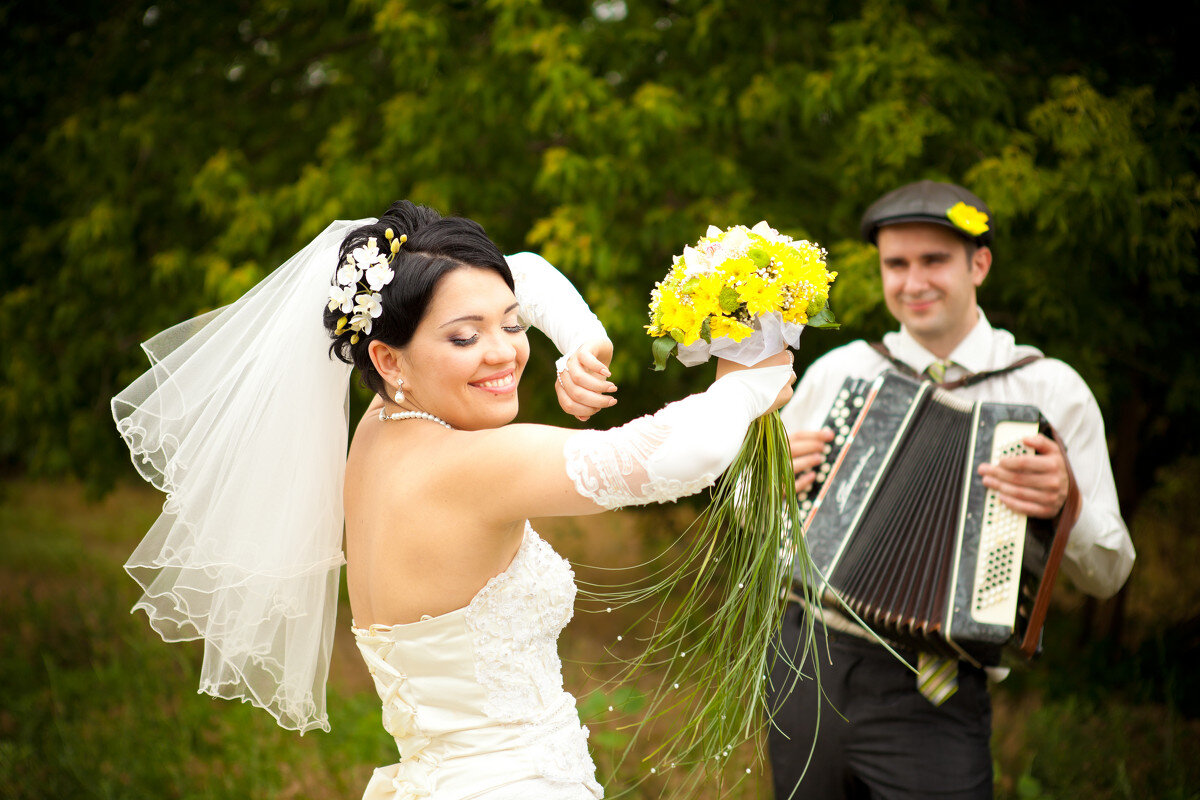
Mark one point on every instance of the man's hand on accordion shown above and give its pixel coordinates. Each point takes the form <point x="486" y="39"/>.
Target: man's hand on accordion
<point x="1034" y="485"/>
<point x="808" y="453"/>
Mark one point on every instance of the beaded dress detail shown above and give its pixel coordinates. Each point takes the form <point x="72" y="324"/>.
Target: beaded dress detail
<point x="474" y="698"/>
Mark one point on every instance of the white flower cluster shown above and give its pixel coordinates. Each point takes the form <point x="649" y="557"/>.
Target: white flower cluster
<point x="356" y="285"/>
<point x="717" y="246"/>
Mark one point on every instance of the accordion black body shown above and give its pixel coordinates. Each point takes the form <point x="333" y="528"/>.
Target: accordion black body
<point x="904" y="534"/>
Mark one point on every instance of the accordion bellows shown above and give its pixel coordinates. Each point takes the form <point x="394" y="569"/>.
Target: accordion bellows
<point x="905" y="535"/>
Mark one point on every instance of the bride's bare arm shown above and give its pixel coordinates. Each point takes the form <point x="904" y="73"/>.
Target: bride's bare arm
<point x="537" y="471"/>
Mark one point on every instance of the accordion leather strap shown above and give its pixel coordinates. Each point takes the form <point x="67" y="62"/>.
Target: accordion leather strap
<point x="967" y="380"/>
<point x="1063" y="523"/>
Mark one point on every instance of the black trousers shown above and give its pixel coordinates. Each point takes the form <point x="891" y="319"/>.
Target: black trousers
<point x="892" y="742"/>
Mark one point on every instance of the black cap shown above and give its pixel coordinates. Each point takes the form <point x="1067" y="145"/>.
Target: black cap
<point x="925" y="201"/>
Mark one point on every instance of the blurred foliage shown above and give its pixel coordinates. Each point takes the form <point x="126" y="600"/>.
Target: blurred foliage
<point x="165" y="157"/>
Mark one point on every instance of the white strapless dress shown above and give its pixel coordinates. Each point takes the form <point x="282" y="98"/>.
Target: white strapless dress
<point x="474" y="698"/>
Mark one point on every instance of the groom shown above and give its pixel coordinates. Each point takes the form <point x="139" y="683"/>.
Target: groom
<point x="878" y="736"/>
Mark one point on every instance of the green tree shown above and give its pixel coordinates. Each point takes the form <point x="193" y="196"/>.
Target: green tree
<point x="165" y="158"/>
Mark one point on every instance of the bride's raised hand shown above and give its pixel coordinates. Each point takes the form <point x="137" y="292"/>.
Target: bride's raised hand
<point x="724" y="367"/>
<point x="583" y="386"/>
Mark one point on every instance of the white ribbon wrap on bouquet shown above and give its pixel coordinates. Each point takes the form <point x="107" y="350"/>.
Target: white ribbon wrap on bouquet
<point x="771" y="335"/>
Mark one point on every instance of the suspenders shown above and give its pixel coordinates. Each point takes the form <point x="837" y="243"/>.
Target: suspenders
<point x="967" y="380"/>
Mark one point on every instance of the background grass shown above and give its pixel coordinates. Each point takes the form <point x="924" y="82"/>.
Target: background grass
<point x="96" y="706"/>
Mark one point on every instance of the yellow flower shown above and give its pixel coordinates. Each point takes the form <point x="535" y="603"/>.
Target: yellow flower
<point x="706" y="294"/>
<point x="673" y="315"/>
<point x="761" y="296"/>
<point x="737" y="269"/>
<point x="969" y="218"/>
<point x="725" y="326"/>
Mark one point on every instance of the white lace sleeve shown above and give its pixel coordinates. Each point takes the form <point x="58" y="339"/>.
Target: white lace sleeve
<point x="677" y="451"/>
<point x="551" y="303"/>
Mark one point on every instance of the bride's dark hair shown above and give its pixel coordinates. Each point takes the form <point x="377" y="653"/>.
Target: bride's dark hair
<point x="436" y="245"/>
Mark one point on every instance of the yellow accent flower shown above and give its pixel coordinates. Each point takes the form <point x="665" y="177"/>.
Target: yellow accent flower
<point x="725" y="326"/>
<point x="969" y="218"/>
<point x="761" y="295"/>
<point x="706" y="294"/>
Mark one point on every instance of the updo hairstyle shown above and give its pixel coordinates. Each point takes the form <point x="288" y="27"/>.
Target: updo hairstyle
<point x="436" y="245"/>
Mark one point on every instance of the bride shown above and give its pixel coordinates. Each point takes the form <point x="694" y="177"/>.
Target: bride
<point x="457" y="602"/>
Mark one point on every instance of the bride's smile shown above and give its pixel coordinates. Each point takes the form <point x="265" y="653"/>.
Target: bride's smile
<point x="502" y="383"/>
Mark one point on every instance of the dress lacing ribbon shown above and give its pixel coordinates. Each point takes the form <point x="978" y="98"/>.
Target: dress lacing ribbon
<point x="412" y="777"/>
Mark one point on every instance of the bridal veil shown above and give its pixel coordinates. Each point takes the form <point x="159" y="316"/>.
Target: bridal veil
<point x="242" y="421"/>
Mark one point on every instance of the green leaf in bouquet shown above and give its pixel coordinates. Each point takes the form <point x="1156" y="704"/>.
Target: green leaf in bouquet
<point x="824" y="319"/>
<point x="706" y="330"/>
<point x="662" y="348"/>
<point x="729" y="299"/>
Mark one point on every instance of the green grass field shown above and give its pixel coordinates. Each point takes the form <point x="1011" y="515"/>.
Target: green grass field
<point x="95" y="705"/>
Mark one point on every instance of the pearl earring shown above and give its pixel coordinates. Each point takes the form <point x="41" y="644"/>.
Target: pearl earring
<point x="399" y="390"/>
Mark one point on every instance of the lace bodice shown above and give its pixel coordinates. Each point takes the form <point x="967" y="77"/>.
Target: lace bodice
<point x="474" y="698"/>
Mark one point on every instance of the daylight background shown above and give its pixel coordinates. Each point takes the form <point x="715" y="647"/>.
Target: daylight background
<point x="158" y="160"/>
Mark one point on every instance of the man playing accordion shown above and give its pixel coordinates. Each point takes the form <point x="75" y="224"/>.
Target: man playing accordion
<point x="881" y="734"/>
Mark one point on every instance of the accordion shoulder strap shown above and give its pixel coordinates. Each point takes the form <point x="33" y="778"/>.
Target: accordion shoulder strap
<point x="1066" y="519"/>
<point x="967" y="380"/>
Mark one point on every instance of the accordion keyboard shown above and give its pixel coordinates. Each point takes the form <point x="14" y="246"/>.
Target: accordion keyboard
<point x="1001" y="538"/>
<point x="847" y="407"/>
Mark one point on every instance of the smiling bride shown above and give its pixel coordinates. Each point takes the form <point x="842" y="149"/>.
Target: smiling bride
<point x="457" y="602"/>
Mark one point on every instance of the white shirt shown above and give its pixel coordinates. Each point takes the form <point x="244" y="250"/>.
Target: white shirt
<point x="1099" y="553"/>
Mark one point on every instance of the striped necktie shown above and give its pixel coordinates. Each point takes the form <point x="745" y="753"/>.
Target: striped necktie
<point x="937" y="676"/>
<point x="937" y="370"/>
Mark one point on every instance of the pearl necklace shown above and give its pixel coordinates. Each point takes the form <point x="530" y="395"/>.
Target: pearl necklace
<point x="384" y="417"/>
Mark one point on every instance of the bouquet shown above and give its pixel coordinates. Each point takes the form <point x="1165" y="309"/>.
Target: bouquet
<point x="742" y="294"/>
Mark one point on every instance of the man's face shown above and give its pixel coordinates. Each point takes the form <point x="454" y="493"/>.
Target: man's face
<point x="928" y="283"/>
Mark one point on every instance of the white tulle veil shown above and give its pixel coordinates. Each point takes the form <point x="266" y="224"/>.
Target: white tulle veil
<point x="242" y="420"/>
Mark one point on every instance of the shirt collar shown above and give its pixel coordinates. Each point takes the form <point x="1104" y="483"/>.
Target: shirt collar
<point x="973" y="353"/>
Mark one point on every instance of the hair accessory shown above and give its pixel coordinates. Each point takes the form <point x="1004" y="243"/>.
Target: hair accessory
<point x="384" y="417"/>
<point x="399" y="390"/>
<point x="357" y="283"/>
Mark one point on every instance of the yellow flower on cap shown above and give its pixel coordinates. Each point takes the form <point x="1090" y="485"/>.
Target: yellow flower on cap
<point x="969" y="218"/>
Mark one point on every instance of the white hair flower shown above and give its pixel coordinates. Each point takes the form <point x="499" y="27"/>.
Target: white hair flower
<point x="348" y="274"/>
<point x="366" y="255"/>
<point x="379" y="274"/>
<point x="341" y="296"/>
<point x="368" y="305"/>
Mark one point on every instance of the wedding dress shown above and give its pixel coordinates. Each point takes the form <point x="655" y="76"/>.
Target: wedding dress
<point x="474" y="698"/>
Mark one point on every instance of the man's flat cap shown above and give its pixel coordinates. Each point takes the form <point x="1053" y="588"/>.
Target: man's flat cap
<point x="929" y="201"/>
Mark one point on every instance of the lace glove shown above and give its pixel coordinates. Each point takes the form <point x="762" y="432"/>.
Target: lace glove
<point x="677" y="451"/>
<point x="553" y="305"/>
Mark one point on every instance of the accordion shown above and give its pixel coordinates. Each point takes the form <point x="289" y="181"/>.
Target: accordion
<point x="904" y="534"/>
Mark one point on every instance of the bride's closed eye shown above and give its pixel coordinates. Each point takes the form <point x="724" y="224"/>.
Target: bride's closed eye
<point x="467" y="341"/>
